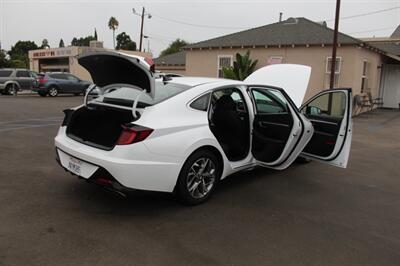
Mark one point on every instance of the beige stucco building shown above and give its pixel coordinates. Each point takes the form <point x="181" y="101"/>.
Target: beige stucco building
<point x="297" y="41"/>
<point x="65" y="59"/>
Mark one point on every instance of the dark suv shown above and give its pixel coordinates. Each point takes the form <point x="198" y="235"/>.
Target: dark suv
<point x="56" y="83"/>
<point x="15" y="79"/>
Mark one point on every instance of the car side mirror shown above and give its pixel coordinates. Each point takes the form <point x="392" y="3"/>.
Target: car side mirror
<point x="313" y="110"/>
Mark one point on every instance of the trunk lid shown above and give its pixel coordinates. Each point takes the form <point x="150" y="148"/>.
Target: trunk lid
<point x="290" y="77"/>
<point x="109" y="67"/>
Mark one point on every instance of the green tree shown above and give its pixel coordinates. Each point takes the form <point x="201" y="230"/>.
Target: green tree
<point x="174" y="47"/>
<point x="3" y="59"/>
<point x="124" y="42"/>
<point x="113" y="25"/>
<point x="45" y="44"/>
<point x="243" y="66"/>
<point x="61" y="44"/>
<point x="19" y="53"/>
<point x="95" y="34"/>
<point x="82" y="41"/>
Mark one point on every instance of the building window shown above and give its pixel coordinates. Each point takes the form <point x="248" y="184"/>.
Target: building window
<point x="224" y="61"/>
<point x="272" y="60"/>
<point x="364" y="77"/>
<point x="338" y="67"/>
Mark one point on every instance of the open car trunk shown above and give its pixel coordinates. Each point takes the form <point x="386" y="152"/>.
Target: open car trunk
<point x="98" y="126"/>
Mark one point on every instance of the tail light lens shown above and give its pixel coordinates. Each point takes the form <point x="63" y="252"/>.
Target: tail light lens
<point x="133" y="134"/>
<point x="151" y="64"/>
<point x="42" y="80"/>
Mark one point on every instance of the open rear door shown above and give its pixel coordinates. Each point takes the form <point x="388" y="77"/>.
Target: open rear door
<point x="330" y="114"/>
<point x="279" y="132"/>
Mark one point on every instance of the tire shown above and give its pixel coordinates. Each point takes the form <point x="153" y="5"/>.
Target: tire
<point x="42" y="94"/>
<point x="53" y="91"/>
<point x="201" y="180"/>
<point x="10" y="89"/>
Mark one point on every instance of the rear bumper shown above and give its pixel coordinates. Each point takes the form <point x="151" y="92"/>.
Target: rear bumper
<point x="102" y="178"/>
<point x="42" y="90"/>
<point x="132" y="166"/>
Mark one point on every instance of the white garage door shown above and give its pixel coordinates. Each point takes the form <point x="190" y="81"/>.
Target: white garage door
<point x="391" y="86"/>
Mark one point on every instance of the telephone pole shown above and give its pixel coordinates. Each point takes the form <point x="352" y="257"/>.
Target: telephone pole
<point x="334" y="48"/>
<point x="141" y="24"/>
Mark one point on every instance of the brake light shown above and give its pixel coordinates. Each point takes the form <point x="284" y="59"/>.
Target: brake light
<point x="42" y="80"/>
<point x="133" y="134"/>
<point x="151" y="63"/>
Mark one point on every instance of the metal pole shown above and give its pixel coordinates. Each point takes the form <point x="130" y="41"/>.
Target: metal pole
<point x="141" y="31"/>
<point x="335" y="34"/>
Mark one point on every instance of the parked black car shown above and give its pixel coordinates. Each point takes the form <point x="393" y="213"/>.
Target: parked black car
<point x="16" y="79"/>
<point x="55" y="83"/>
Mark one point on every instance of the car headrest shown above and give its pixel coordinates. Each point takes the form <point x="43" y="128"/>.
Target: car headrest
<point x="225" y="103"/>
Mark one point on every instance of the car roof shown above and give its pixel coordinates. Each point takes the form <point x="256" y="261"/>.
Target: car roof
<point x="196" y="81"/>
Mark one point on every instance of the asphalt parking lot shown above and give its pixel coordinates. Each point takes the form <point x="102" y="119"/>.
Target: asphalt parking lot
<point x="309" y="214"/>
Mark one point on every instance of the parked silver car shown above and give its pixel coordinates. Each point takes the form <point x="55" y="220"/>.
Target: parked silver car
<point x="16" y="79"/>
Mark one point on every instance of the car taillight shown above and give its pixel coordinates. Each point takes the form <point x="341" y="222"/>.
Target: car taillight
<point x="133" y="134"/>
<point x="151" y="63"/>
<point x="42" y="80"/>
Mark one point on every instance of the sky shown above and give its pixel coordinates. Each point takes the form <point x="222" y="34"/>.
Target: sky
<point x="191" y="20"/>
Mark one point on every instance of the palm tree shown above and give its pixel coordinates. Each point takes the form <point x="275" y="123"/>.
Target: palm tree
<point x="113" y="25"/>
<point x="242" y="67"/>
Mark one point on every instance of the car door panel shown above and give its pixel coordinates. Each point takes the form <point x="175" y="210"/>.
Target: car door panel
<point x="270" y="134"/>
<point x="332" y="124"/>
<point x="278" y="135"/>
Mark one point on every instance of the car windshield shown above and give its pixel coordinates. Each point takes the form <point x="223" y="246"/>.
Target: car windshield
<point x="125" y="96"/>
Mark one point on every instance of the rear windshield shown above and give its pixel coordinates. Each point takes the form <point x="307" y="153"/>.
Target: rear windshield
<point x="5" y="73"/>
<point x="126" y="96"/>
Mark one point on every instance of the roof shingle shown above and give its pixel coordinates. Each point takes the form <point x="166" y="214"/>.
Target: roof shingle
<point x="293" y="31"/>
<point x="178" y="58"/>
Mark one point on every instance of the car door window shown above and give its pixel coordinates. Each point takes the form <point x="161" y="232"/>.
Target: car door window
<point x="71" y="78"/>
<point x="329" y="105"/>
<point x="5" y="73"/>
<point x="268" y="102"/>
<point x="201" y="103"/>
<point x="23" y="74"/>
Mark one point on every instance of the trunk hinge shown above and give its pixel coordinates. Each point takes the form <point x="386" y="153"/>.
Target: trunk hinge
<point x="135" y="103"/>
<point x="88" y="91"/>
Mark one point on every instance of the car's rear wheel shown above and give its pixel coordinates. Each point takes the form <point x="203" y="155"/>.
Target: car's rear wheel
<point x="53" y="91"/>
<point x="10" y="89"/>
<point x="198" y="177"/>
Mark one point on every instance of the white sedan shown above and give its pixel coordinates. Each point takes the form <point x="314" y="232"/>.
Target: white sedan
<point x="185" y="134"/>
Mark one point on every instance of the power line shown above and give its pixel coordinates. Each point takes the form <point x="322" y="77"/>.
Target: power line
<point x="199" y="25"/>
<point x="374" y="30"/>
<point x="243" y="28"/>
<point x="366" y="14"/>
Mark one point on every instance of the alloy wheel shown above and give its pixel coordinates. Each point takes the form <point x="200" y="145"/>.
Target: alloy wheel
<point x="201" y="177"/>
<point x="53" y="92"/>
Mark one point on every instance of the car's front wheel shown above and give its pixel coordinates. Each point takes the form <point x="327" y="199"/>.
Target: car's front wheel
<point x="198" y="177"/>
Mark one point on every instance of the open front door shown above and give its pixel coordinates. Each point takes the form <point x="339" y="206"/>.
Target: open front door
<point x="279" y="133"/>
<point x="330" y="114"/>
